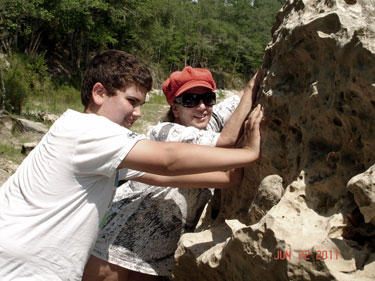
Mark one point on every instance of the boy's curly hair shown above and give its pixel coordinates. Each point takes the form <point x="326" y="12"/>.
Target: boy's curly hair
<point x="116" y="70"/>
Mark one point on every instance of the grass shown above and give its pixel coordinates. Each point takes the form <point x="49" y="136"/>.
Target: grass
<point x="8" y="149"/>
<point x="56" y="102"/>
<point x="11" y="153"/>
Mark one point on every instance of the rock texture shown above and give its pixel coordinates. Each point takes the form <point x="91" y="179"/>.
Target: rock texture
<point x="363" y="188"/>
<point x="319" y="98"/>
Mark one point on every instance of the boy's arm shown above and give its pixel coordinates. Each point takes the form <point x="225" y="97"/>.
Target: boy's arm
<point x="168" y="158"/>
<point x="232" y="128"/>
<point x="217" y="179"/>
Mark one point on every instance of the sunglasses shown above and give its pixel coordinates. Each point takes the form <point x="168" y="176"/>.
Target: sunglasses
<point x="192" y="100"/>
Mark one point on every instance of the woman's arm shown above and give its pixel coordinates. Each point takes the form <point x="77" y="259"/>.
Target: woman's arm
<point x="217" y="179"/>
<point x="171" y="158"/>
<point x="232" y="129"/>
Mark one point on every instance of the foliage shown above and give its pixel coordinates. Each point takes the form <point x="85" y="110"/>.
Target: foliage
<point x="226" y="36"/>
<point x="26" y="75"/>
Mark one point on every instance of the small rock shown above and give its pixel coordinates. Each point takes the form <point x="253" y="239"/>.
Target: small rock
<point x="33" y="126"/>
<point x="27" y="147"/>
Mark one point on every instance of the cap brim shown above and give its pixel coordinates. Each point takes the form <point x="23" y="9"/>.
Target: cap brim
<point x="193" y="84"/>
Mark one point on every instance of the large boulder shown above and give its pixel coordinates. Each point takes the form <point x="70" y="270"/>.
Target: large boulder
<point x="319" y="98"/>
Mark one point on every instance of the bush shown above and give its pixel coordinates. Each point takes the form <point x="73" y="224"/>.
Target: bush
<point x="26" y="76"/>
<point x="16" y="90"/>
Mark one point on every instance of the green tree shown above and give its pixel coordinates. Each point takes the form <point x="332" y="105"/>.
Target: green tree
<point x="22" y="23"/>
<point x="227" y="36"/>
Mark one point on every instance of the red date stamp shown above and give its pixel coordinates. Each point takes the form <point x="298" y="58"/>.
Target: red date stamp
<point x="307" y="255"/>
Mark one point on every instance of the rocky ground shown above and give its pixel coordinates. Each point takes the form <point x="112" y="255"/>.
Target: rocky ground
<point x="17" y="136"/>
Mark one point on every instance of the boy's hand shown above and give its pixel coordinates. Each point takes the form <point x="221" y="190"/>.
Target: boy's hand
<point x="235" y="176"/>
<point x="251" y="137"/>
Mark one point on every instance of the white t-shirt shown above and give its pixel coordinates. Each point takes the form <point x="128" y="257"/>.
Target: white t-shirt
<point x="51" y="208"/>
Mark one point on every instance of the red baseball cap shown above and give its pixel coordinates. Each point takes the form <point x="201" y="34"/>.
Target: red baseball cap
<point x="181" y="81"/>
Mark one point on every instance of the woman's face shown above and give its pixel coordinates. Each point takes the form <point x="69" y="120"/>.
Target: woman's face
<point x="197" y="116"/>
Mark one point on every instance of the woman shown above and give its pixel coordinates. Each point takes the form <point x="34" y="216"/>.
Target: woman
<point x="145" y="223"/>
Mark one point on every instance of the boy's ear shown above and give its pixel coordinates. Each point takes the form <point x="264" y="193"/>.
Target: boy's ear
<point x="98" y="92"/>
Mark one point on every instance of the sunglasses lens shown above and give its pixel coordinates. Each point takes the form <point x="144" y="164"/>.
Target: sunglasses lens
<point x="209" y="99"/>
<point x="192" y="100"/>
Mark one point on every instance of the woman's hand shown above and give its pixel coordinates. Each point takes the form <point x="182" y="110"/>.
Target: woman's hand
<point x="251" y="137"/>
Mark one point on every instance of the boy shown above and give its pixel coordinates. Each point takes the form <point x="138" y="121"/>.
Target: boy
<point x="52" y="207"/>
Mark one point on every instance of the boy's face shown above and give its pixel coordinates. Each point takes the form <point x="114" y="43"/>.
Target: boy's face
<point x="124" y="108"/>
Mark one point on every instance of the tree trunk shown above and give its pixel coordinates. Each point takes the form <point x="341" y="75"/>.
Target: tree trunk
<point x="3" y="95"/>
<point x="35" y="39"/>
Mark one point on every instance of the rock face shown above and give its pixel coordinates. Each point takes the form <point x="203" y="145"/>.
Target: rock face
<point x="319" y="98"/>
